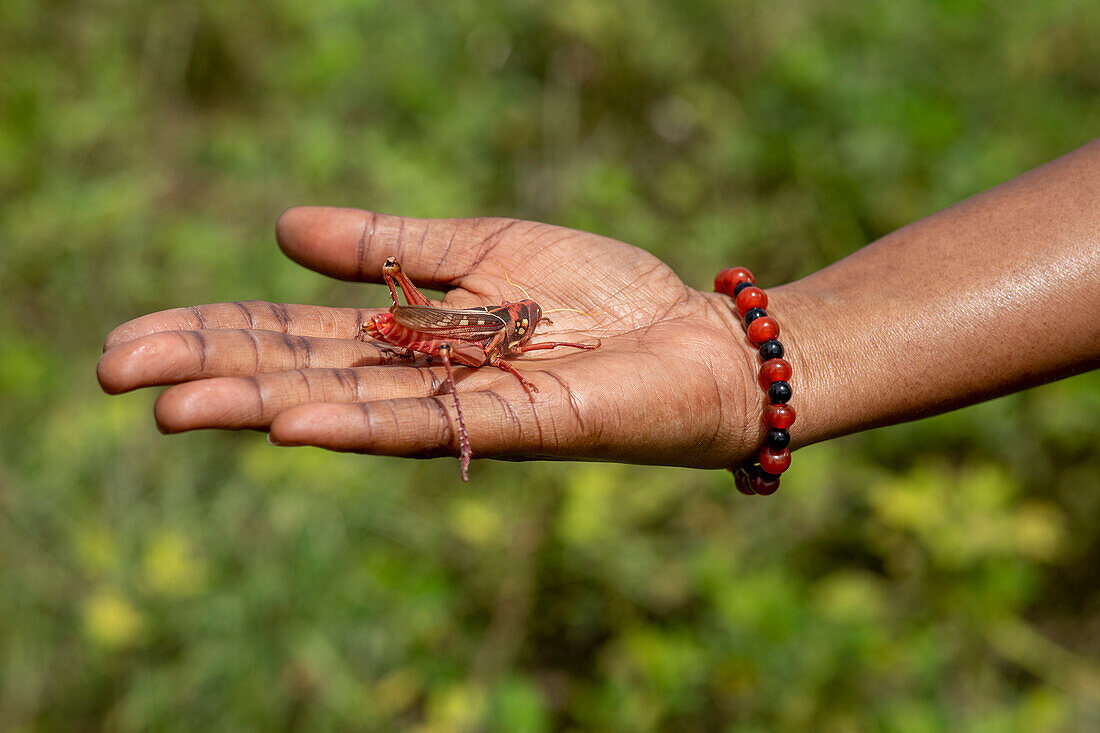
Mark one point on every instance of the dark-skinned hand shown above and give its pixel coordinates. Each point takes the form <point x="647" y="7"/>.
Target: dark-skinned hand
<point x="673" y="381"/>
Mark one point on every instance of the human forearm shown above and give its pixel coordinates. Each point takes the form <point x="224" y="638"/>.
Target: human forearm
<point x="993" y="295"/>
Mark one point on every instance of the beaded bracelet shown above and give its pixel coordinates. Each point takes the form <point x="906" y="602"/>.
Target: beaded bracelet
<point x="761" y="476"/>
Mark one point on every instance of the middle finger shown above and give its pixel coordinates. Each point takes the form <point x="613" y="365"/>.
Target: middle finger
<point x="170" y="357"/>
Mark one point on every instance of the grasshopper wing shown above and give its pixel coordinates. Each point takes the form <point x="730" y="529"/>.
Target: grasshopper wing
<point x="473" y="324"/>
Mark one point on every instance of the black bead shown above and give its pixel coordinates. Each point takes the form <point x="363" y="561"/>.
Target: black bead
<point x="771" y="350"/>
<point x="778" y="439"/>
<point x="741" y="286"/>
<point x="753" y="313"/>
<point x="779" y="392"/>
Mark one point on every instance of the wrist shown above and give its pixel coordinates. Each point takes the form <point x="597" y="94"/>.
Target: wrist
<point x="735" y="369"/>
<point x="838" y="388"/>
<point x="802" y="341"/>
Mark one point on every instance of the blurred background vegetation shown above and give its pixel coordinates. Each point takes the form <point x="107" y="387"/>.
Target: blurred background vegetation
<point x="940" y="575"/>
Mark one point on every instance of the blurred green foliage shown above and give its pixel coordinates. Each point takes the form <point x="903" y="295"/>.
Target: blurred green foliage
<point x="940" y="575"/>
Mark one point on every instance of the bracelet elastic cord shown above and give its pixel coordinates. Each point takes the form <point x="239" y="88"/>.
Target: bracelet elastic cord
<point x="761" y="476"/>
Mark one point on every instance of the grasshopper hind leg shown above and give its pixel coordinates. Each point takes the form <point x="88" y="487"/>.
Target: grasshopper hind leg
<point x="395" y="276"/>
<point x="500" y="363"/>
<point x="465" y="453"/>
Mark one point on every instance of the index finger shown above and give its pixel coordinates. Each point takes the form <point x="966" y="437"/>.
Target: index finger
<point x="352" y="244"/>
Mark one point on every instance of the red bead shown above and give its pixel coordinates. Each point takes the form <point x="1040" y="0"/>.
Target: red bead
<point x="728" y="279"/>
<point x="774" y="370"/>
<point x="752" y="297"/>
<point x="763" y="329"/>
<point x="742" y="481"/>
<point x="760" y="485"/>
<point x="779" y="416"/>
<point x="774" y="461"/>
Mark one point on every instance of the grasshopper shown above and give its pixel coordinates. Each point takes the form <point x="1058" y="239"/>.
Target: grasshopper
<point x="473" y="337"/>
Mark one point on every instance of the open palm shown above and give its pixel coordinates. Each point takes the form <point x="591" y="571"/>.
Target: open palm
<point x="672" y="383"/>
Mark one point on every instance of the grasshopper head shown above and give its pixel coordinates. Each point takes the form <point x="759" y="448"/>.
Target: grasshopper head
<point x="534" y="311"/>
<point x="525" y="315"/>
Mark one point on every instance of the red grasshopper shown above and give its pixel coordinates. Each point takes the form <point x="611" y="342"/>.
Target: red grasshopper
<point x="473" y="337"/>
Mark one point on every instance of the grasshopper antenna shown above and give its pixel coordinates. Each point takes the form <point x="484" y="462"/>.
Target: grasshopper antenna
<point x="571" y="310"/>
<point x="513" y="284"/>
<point x="528" y="296"/>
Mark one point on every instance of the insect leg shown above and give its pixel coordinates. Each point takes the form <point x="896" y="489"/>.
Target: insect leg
<point x="445" y="351"/>
<point x="554" y="345"/>
<point x="397" y="352"/>
<point x="499" y="363"/>
<point x="390" y="284"/>
<point x="392" y="272"/>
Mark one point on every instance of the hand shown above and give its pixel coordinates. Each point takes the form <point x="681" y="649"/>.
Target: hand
<point x="672" y="383"/>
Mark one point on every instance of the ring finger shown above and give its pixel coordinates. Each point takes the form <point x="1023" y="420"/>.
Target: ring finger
<point x="254" y="401"/>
